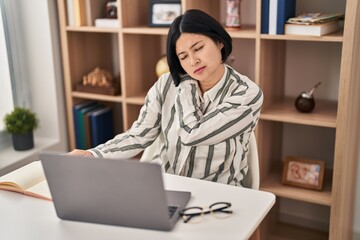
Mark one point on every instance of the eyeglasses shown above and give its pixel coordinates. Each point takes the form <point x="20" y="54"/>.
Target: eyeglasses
<point x="218" y="209"/>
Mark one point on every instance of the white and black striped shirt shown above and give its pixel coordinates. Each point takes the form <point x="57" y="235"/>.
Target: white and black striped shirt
<point x="203" y="137"/>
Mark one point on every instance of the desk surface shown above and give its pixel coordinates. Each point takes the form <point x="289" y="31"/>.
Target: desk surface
<point x="24" y="217"/>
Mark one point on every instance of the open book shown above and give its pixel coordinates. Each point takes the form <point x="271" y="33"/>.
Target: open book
<point x="29" y="180"/>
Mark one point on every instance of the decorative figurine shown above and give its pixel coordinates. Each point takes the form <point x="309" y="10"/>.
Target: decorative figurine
<point x="111" y="9"/>
<point x="98" y="78"/>
<point x="233" y="14"/>
<point x="99" y="81"/>
<point x="305" y="102"/>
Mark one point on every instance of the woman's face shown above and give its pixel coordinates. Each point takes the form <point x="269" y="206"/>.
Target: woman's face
<point x="200" y="57"/>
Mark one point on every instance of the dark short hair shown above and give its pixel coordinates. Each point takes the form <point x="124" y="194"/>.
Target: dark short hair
<point x="199" y="22"/>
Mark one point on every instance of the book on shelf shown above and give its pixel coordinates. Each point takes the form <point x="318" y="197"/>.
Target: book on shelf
<point x="84" y="12"/>
<point x="102" y="126"/>
<point x="87" y="126"/>
<point x="28" y="180"/>
<point x="83" y="132"/>
<point x="279" y="12"/>
<point x="93" y="124"/>
<point x="314" y="18"/>
<point x="319" y="29"/>
<point x="79" y="13"/>
<point x="265" y="16"/>
<point x="107" y="23"/>
<point x="70" y="12"/>
<point x="76" y="117"/>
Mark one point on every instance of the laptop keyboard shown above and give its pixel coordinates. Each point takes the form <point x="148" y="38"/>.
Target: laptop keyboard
<point x="172" y="210"/>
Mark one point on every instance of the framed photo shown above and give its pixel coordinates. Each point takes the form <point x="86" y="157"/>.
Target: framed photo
<point x="163" y="12"/>
<point x="306" y="173"/>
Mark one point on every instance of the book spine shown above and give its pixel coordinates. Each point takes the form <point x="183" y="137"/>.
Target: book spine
<point x="87" y="130"/>
<point x="70" y="12"/>
<point x="273" y="16"/>
<point x="88" y="16"/>
<point x="285" y="10"/>
<point x="76" y="118"/>
<point x="79" y="12"/>
<point x="311" y="30"/>
<point x="107" y="23"/>
<point x="265" y="16"/>
<point x="83" y="133"/>
<point x="102" y="126"/>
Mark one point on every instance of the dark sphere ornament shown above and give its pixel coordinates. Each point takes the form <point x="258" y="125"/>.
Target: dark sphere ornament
<point x="305" y="102"/>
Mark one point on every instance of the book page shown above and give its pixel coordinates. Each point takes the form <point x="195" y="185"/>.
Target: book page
<point x="40" y="190"/>
<point x="24" y="177"/>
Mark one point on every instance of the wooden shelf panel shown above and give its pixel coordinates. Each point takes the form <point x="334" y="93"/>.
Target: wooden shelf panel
<point x="282" y="231"/>
<point x="272" y="183"/>
<point x="146" y="30"/>
<point x="334" y="37"/>
<point x="136" y="100"/>
<point x="324" y="114"/>
<point x="244" y="32"/>
<point x="91" y="29"/>
<point x="94" y="96"/>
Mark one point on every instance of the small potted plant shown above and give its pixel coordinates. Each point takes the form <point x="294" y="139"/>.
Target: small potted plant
<point x="21" y="123"/>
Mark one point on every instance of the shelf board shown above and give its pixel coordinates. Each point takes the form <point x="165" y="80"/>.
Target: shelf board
<point x="272" y="183"/>
<point x="91" y="29"/>
<point x="244" y="32"/>
<point x="333" y="37"/>
<point x="95" y="96"/>
<point x="282" y="231"/>
<point x="324" y="114"/>
<point x="136" y="100"/>
<point x="146" y="30"/>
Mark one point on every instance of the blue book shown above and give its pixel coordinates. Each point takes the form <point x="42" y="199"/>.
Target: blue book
<point x="279" y="12"/>
<point x="82" y="130"/>
<point x="265" y="16"/>
<point x="102" y="126"/>
<point x="76" y="118"/>
<point x="87" y="126"/>
<point x="286" y="10"/>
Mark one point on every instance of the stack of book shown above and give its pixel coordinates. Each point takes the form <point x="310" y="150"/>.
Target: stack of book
<point x="93" y="124"/>
<point x="313" y="24"/>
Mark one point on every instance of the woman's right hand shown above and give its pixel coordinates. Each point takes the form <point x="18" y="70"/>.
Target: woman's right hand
<point x="80" y="152"/>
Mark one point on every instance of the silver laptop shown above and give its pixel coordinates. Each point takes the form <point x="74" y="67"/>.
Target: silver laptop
<point x="108" y="191"/>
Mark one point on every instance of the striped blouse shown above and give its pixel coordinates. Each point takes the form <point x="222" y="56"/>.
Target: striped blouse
<point x="200" y="136"/>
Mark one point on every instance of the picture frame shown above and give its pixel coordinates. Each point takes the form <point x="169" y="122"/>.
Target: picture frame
<point x="163" y="12"/>
<point x="305" y="173"/>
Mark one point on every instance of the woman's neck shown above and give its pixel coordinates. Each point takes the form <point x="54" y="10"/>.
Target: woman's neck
<point x="207" y="85"/>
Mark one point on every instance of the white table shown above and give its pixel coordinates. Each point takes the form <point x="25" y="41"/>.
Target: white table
<point x="23" y="217"/>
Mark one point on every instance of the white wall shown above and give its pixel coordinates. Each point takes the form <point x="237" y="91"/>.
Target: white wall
<point x="43" y="67"/>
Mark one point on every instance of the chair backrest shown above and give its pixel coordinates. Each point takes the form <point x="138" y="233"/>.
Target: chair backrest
<point x="252" y="178"/>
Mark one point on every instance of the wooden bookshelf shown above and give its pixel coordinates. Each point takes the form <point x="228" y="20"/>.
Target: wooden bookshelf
<point x="132" y="50"/>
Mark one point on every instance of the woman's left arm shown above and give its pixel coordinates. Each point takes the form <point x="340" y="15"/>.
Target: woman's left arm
<point x="236" y="113"/>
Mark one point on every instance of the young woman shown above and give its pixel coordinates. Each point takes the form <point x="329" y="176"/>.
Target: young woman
<point x="203" y="111"/>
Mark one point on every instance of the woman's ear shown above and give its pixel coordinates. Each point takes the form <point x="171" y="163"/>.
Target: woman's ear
<point x="220" y="45"/>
